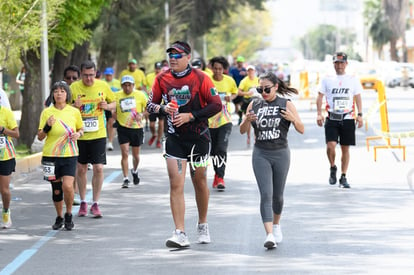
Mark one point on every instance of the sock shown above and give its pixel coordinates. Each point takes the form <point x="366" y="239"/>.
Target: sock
<point x="125" y="178"/>
<point x="343" y="175"/>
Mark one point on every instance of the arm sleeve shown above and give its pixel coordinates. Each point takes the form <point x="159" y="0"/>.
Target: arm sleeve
<point x="209" y="99"/>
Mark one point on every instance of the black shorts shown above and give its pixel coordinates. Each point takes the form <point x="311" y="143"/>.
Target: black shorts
<point x="7" y="167"/>
<point x="135" y="137"/>
<point x="340" y="131"/>
<point x="246" y="102"/>
<point x="153" y="117"/>
<point x="108" y="114"/>
<point x="238" y="99"/>
<point x="63" y="166"/>
<point x="92" y="151"/>
<point x="195" y="151"/>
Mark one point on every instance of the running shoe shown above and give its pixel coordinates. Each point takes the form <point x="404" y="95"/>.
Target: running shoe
<point x="270" y="242"/>
<point x="151" y="140"/>
<point x="343" y="183"/>
<point x="332" y="176"/>
<point x="6" y="221"/>
<point x="215" y="183"/>
<point x="58" y="223"/>
<point x="68" y="222"/>
<point x="178" y="240"/>
<point x="125" y="183"/>
<point x="158" y="144"/>
<point x="220" y="184"/>
<point x="83" y="209"/>
<point x="110" y="146"/>
<point x="95" y="211"/>
<point x="135" y="177"/>
<point x="203" y="233"/>
<point x="277" y="233"/>
<point x="76" y="199"/>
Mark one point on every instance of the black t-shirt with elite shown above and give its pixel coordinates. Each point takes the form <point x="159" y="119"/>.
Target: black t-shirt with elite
<point x="270" y="128"/>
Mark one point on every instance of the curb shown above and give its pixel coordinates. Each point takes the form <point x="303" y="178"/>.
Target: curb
<point x="28" y="164"/>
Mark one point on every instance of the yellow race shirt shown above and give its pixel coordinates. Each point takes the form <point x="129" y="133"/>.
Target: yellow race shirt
<point x="115" y="85"/>
<point x="227" y="86"/>
<point x="138" y="76"/>
<point x="150" y="80"/>
<point x="94" y="120"/>
<point x="129" y="108"/>
<point x="58" y="142"/>
<point x="7" y="120"/>
<point x="246" y="84"/>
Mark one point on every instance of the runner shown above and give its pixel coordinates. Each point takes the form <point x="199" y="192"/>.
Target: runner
<point x="220" y="125"/>
<point x="247" y="89"/>
<point x="191" y="99"/>
<point x="61" y="125"/>
<point x="130" y="105"/>
<point x="8" y="130"/>
<point x="115" y="87"/>
<point x="92" y="96"/>
<point x="153" y="117"/>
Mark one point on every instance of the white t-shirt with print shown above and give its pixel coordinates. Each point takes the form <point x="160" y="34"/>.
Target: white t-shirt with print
<point x="339" y="91"/>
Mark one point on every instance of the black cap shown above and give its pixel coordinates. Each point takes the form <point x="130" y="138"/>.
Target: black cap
<point x="340" y="57"/>
<point x="180" y="46"/>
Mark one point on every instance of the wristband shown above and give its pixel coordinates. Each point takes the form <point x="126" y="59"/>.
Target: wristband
<point x="360" y="114"/>
<point x="192" y="118"/>
<point x="47" y="128"/>
<point x="2" y="130"/>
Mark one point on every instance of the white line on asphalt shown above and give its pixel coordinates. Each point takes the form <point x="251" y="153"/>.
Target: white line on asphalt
<point x="28" y="253"/>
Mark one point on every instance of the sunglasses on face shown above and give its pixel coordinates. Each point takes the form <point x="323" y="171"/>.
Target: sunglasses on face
<point x="176" y="55"/>
<point x="265" y="89"/>
<point x="71" y="78"/>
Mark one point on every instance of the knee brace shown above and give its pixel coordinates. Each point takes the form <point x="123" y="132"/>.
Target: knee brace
<point x="57" y="191"/>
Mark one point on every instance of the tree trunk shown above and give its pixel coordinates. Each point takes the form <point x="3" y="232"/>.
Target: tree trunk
<point x="393" y="49"/>
<point x="32" y="97"/>
<point x="80" y="54"/>
<point x="60" y="62"/>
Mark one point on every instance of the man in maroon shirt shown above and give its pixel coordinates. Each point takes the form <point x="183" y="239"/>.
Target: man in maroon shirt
<point x="190" y="98"/>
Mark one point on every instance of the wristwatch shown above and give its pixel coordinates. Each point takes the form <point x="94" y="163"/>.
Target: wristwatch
<point x="360" y="114"/>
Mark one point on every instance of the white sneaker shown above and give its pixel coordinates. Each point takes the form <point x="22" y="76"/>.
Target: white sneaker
<point x="6" y="221"/>
<point x="203" y="233"/>
<point x="178" y="240"/>
<point x="270" y="242"/>
<point x="277" y="232"/>
<point x="109" y="146"/>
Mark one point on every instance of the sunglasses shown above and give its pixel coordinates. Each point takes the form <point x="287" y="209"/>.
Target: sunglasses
<point x="176" y="55"/>
<point x="265" y="89"/>
<point x="71" y="78"/>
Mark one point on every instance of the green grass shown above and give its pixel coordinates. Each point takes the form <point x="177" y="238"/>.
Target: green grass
<point x="22" y="151"/>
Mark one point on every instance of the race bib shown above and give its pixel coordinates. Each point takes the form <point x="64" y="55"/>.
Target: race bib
<point x="2" y="142"/>
<point x="48" y="170"/>
<point x="340" y="105"/>
<point x="91" y="124"/>
<point x="127" y="104"/>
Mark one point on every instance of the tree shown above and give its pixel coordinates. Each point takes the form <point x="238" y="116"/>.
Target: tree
<point x="396" y="12"/>
<point x="378" y="24"/>
<point x="322" y="40"/>
<point x="127" y="27"/>
<point x="230" y="38"/>
<point x="21" y="35"/>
